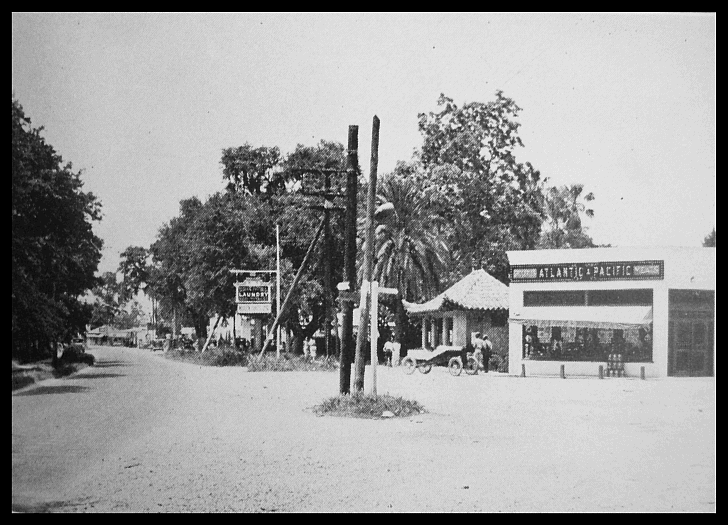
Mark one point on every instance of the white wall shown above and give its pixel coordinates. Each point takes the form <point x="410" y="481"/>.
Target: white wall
<point x="684" y="268"/>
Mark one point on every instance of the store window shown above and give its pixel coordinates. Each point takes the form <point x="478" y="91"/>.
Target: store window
<point x="639" y="297"/>
<point x="554" y="298"/>
<point x="560" y="343"/>
<point x="631" y="297"/>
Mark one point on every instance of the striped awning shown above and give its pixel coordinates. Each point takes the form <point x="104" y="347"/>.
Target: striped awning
<point x="608" y="317"/>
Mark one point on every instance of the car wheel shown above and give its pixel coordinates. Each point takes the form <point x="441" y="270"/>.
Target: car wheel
<point x="472" y="366"/>
<point x="455" y="366"/>
<point x="408" y="365"/>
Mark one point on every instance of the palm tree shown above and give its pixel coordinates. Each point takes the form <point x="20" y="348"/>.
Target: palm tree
<point x="563" y="207"/>
<point x="410" y="251"/>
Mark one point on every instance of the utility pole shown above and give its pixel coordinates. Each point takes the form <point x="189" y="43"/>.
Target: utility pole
<point x="368" y="258"/>
<point x="374" y="333"/>
<point x="278" y="287"/>
<point x="328" y="297"/>
<point x="347" y="306"/>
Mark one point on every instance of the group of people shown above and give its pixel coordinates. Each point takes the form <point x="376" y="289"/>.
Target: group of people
<point x="482" y="350"/>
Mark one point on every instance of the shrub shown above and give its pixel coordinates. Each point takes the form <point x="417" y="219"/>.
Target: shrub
<point x="292" y="363"/>
<point x="368" y="406"/>
<point x="498" y="363"/>
<point x="21" y="380"/>
<point x="74" y="355"/>
<point x="222" y="356"/>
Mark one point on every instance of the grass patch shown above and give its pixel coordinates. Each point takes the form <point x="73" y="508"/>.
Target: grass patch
<point x="22" y="379"/>
<point x="292" y="363"/>
<point x="27" y="374"/>
<point x="368" y="406"/>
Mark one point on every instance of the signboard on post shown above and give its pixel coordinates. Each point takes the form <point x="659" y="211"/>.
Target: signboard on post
<point x="253" y="297"/>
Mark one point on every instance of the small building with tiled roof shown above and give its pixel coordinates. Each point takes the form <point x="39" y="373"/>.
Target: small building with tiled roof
<point x="476" y="303"/>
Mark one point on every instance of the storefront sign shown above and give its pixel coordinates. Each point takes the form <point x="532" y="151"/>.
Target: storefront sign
<point x="600" y="271"/>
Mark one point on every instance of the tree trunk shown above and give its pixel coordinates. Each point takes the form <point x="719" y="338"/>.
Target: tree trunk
<point x="207" y="342"/>
<point x="400" y="329"/>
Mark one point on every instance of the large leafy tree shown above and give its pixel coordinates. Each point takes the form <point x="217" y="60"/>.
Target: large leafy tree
<point x="194" y="253"/>
<point x="134" y="269"/>
<point x="491" y="201"/>
<point x="253" y="170"/>
<point x="410" y="252"/>
<point x="107" y="301"/>
<point x="564" y="206"/>
<point x="55" y="253"/>
<point x="709" y="241"/>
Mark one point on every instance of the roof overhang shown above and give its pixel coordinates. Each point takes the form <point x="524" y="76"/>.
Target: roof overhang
<point x="609" y="317"/>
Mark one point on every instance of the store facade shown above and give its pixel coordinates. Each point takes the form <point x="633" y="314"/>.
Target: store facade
<point x="651" y="308"/>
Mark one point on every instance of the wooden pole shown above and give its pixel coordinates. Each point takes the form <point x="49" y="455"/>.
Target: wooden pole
<point x="368" y="255"/>
<point x="209" y="336"/>
<point x="328" y="298"/>
<point x="278" y="287"/>
<point x="374" y="332"/>
<point x="269" y="338"/>
<point x="347" y="322"/>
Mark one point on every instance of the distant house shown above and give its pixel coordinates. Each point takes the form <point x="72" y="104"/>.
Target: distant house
<point x="108" y="335"/>
<point x="476" y="303"/>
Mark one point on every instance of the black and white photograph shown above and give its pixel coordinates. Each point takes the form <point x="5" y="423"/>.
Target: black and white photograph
<point x="364" y="262"/>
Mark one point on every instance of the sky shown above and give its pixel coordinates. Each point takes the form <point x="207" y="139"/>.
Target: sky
<point x="144" y="103"/>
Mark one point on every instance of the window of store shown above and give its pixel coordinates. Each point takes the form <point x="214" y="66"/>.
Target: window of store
<point x="690" y="332"/>
<point x="632" y="297"/>
<point x="587" y="344"/>
<point x="554" y="298"/>
<point x="637" y="297"/>
<point x="562" y="342"/>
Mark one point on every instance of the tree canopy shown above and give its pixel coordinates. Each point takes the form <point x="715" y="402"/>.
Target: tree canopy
<point x="55" y="253"/>
<point x="491" y="201"/>
<point x="563" y="228"/>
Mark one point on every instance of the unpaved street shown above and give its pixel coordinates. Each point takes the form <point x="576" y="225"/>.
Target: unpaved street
<point x="138" y="433"/>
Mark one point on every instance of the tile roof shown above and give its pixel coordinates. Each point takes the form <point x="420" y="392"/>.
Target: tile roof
<point x="477" y="291"/>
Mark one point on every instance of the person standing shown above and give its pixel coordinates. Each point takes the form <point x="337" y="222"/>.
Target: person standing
<point x="487" y="352"/>
<point x="478" y="346"/>
<point x="391" y="351"/>
<point x="388" y="348"/>
<point x="396" y="350"/>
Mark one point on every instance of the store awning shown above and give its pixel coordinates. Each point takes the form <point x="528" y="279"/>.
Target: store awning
<point x="608" y="317"/>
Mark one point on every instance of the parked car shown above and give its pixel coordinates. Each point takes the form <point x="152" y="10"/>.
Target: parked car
<point x="79" y="343"/>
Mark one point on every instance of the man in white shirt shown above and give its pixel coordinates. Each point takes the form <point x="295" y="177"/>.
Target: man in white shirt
<point x="478" y="346"/>
<point x="391" y="351"/>
<point x="487" y="351"/>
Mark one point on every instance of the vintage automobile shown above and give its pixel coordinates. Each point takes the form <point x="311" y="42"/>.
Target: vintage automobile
<point x="455" y="357"/>
<point x="79" y="344"/>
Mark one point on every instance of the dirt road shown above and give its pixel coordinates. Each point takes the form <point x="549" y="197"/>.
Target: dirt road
<point x="138" y="433"/>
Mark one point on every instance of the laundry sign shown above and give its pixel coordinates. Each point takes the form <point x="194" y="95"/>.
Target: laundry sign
<point x="253" y="297"/>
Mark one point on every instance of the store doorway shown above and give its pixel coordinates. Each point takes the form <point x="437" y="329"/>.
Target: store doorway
<point x="691" y="341"/>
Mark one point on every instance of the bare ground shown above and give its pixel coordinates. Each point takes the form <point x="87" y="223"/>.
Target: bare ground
<point x="225" y="440"/>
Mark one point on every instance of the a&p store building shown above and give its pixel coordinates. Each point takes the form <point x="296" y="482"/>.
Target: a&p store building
<point x="645" y="311"/>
